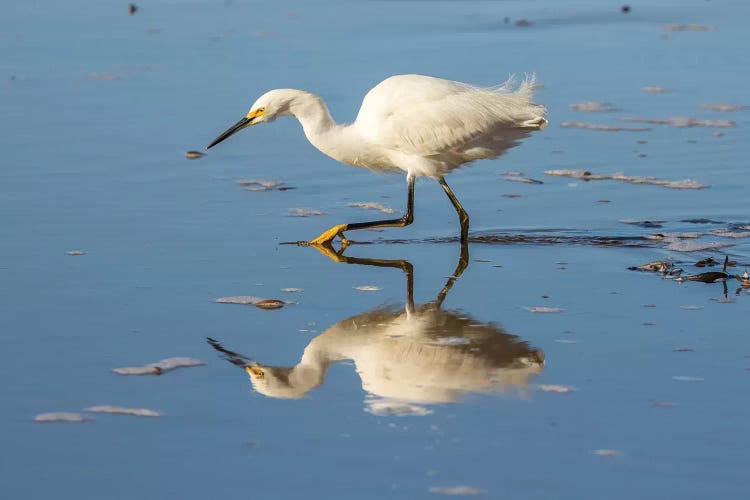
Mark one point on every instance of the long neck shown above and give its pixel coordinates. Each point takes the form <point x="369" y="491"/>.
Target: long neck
<point x="320" y="128"/>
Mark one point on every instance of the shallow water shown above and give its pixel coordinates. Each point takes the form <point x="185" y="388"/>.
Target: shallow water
<point x="100" y="108"/>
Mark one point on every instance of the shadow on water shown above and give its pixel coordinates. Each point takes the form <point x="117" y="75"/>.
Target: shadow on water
<point x="406" y="356"/>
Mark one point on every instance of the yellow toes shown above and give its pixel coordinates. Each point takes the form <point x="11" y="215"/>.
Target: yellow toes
<point x="328" y="251"/>
<point x="329" y="235"/>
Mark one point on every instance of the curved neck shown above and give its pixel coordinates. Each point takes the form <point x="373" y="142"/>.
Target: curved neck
<point x="320" y="128"/>
<point x="311" y="112"/>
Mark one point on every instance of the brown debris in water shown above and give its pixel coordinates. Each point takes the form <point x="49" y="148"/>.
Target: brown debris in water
<point x="270" y="304"/>
<point x="707" y="262"/>
<point x="251" y="300"/>
<point x="647" y="223"/>
<point x="194" y="155"/>
<point x="657" y="266"/>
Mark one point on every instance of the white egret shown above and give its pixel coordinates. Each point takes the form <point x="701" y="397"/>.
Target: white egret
<point x="406" y="357"/>
<point x="418" y="124"/>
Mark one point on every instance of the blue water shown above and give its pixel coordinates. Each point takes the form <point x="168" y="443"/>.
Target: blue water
<point x="97" y="164"/>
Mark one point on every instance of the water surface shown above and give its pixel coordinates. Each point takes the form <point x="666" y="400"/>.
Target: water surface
<point x="100" y="108"/>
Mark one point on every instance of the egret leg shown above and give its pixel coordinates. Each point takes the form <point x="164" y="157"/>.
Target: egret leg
<point x="339" y="229"/>
<point x="463" y="217"/>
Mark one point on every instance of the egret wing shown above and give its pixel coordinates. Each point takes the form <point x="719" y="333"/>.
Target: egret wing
<point x="428" y="116"/>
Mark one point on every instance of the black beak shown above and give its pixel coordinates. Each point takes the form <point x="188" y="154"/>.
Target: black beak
<point x="245" y="122"/>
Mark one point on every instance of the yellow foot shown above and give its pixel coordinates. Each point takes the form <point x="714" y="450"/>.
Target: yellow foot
<point x="328" y="251"/>
<point x="329" y="235"/>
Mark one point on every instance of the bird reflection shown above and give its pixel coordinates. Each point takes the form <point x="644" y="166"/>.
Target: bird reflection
<point x="406" y="357"/>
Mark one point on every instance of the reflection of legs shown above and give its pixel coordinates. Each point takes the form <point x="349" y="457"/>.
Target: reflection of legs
<point x="338" y="230"/>
<point x="463" y="217"/>
<point x="463" y="262"/>
<point x="406" y="266"/>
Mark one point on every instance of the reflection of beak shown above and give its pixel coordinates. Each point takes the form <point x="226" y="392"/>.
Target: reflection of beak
<point x="255" y="371"/>
<point x="245" y="122"/>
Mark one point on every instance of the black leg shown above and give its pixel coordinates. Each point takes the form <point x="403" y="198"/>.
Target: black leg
<point x="338" y="230"/>
<point x="405" y="220"/>
<point x="463" y="217"/>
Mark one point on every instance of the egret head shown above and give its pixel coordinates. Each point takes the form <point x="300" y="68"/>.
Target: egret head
<point x="267" y="108"/>
<point x="275" y="382"/>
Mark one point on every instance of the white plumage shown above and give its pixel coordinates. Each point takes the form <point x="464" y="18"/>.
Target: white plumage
<point x="446" y="123"/>
<point x="425" y="356"/>
<point x="421" y="125"/>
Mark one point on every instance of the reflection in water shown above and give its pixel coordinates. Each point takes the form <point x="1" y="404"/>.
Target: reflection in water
<point x="406" y="357"/>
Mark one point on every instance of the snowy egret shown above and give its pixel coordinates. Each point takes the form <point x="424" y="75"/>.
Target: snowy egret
<point x="405" y="358"/>
<point x="421" y="125"/>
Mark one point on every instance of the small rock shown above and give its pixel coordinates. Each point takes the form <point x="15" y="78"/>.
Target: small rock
<point x="270" y="304"/>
